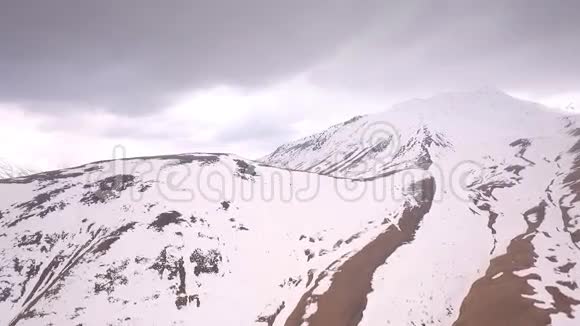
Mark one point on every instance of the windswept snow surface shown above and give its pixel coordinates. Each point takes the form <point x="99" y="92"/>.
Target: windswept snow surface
<point x="455" y="210"/>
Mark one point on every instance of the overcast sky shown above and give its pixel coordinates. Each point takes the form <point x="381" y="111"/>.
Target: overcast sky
<point x="78" y="77"/>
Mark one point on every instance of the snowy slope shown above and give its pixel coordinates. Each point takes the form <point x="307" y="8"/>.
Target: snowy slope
<point x="414" y="132"/>
<point x="127" y="242"/>
<point x="455" y="210"/>
<point x="10" y="170"/>
<point x="507" y="184"/>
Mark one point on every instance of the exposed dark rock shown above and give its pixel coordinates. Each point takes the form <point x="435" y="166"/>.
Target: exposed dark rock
<point x="93" y="169"/>
<point x="181" y="290"/>
<point x="515" y="169"/>
<point x="184" y="300"/>
<point x="193" y="219"/>
<point x="553" y="259"/>
<point x="150" y="206"/>
<point x="51" y="239"/>
<point x="271" y="318"/>
<point x="523" y="145"/>
<point x="522" y="142"/>
<point x="352" y="238"/>
<point x="566" y="267"/>
<point x="144" y="187"/>
<point x="245" y="171"/>
<point x="569" y="284"/>
<point x="492" y="218"/>
<point x="206" y="262"/>
<point x="174" y="268"/>
<point x="562" y="303"/>
<point x="41" y="199"/>
<point x="58" y="206"/>
<point x="77" y="313"/>
<point x="107" y="189"/>
<point x="5" y="293"/>
<point x="113" y="277"/>
<point x="165" y="219"/>
<point x="351" y="120"/>
<point x="105" y="245"/>
<point x="37" y="206"/>
<point x="165" y="262"/>
<point x="539" y="212"/>
<point x="309" y="254"/>
<point x="17" y="265"/>
<point x="30" y="240"/>
<point x="381" y="146"/>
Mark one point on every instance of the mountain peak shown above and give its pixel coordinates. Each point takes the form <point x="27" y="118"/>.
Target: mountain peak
<point x="11" y="170"/>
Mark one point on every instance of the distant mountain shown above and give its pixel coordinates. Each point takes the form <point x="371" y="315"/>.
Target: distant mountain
<point x="414" y="133"/>
<point x="9" y="170"/>
<point x="461" y="209"/>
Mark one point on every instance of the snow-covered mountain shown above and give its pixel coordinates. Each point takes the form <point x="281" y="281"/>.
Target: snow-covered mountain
<point x="10" y="170"/>
<point x="414" y="133"/>
<point x="455" y="210"/>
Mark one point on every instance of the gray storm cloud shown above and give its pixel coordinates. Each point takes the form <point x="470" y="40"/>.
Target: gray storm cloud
<point x="524" y="45"/>
<point x="132" y="56"/>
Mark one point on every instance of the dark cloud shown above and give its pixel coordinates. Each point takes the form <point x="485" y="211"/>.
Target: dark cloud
<point x="144" y="132"/>
<point x="151" y="127"/>
<point x="528" y="45"/>
<point x="262" y="128"/>
<point x="133" y="55"/>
